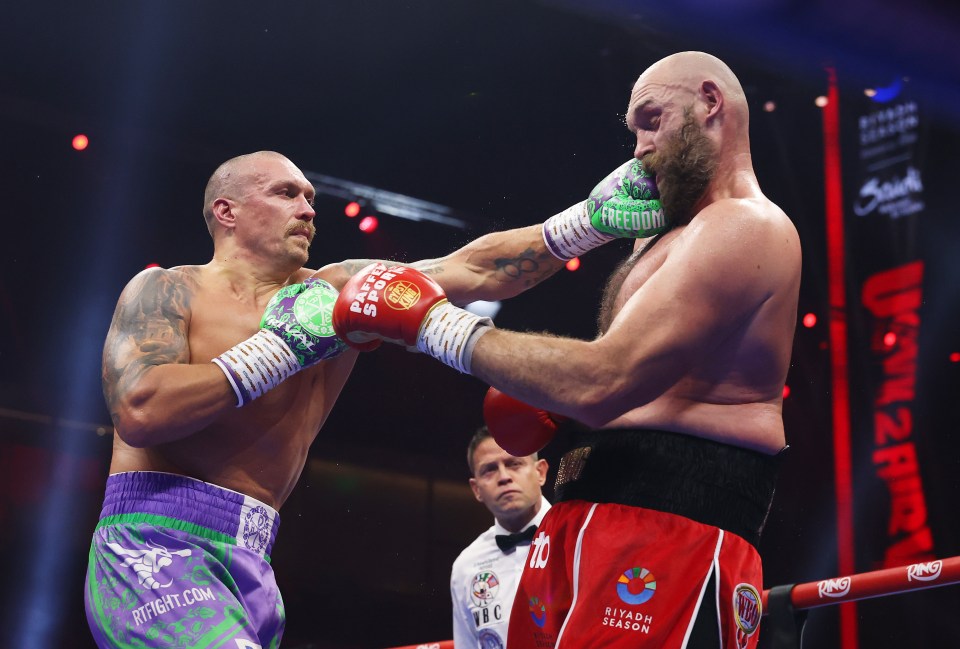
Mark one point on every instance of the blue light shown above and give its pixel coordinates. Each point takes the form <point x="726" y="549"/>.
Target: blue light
<point x="885" y="94"/>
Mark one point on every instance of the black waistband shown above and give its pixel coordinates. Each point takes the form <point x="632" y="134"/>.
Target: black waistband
<point x="713" y="483"/>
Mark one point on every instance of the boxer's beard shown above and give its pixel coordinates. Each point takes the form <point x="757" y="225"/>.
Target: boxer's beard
<point x="684" y="168"/>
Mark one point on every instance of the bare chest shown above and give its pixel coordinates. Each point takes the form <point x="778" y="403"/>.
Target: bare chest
<point x="218" y="323"/>
<point x="627" y="279"/>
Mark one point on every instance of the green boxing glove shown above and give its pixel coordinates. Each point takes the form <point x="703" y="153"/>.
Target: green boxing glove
<point x="296" y="331"/>
<point x="625" y="204"/>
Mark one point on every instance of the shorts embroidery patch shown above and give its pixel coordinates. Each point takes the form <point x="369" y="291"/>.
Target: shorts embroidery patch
<point x="747" y="611"/>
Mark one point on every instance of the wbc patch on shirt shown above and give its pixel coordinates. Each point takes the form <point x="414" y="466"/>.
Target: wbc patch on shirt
<point x="484" y="592"/>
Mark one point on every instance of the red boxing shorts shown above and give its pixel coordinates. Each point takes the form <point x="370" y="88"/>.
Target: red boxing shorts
<point x="607" y="575"/>
<point x="652" y="544"/>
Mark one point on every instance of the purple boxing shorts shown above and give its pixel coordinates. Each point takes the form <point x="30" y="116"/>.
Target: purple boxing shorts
<point x="176" y="562"/>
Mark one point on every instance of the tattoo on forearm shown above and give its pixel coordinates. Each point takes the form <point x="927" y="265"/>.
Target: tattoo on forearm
<point x="148" y="329"/>
<point x="526" y="263"/>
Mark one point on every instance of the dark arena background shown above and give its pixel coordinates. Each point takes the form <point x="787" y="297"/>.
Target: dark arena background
<point x="490" y="114"/>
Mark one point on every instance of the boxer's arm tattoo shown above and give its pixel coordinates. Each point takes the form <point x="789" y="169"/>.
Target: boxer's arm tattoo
<point x="149" y="328"/>
<point x="529" y="266"/>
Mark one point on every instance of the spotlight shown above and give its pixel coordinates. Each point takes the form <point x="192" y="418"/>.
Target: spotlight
<point x="786" y="391"/>
<point x="352" y="209"/>
<point x="573" y="264"/>
<point x="809" y="320"/>
<point x="820" y="101"/>
<point x="885" y="94"/>
<point x="770" y="106"/>
<point x="368" y="224"/>
<point x="889" y="339"/>
<point x="80" y="142"/>
<point x="955" y="357"/>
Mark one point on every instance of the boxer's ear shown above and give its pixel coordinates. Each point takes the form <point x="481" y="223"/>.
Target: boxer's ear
<point x="223" y="214"/>
<point x="712" y="97"/>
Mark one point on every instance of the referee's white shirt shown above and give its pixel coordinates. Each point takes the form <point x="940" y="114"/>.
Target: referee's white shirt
<point x="483" y="582"/>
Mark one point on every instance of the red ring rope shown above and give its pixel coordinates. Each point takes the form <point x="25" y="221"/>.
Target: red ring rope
<point x="878" y="583"/>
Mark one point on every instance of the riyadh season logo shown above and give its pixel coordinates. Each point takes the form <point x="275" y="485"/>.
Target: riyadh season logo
<point x="538" y="611"/>
<point x="636" y="586"/>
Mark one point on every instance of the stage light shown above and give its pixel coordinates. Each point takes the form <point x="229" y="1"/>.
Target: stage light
<point x="352" y="209"/>
<point x="368" y="224"/>
<point x="809" y="320"/>
<point x="955" y="357"/>
<point x="80" y="142"/>
<point x="770" y="106"/>
<point x="820" y="101"/>
<point x="889" y="339"/>
<point x="786" y="391"/>
<point x="573" y="264"/>
<point x="885" y="94"/>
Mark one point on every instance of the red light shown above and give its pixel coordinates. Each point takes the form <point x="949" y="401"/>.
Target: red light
<point x="955" y="357"/>
<point x="368" y="224"/>
<point x="573" y="264"/>
<point x="809" y="320"/>
<point x="786" y="391"/>
<point x="80" y="142"/>
<point x="152" y="266"/>
<point x="889" y="339"/>
<point x="352" y="209"/>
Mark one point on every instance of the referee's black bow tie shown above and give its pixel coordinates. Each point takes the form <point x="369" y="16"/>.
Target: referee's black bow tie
<point x="507" y="542"/>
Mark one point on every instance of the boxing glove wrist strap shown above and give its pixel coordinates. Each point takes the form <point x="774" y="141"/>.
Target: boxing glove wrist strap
<point x="259" y="363"/>
<point x="570" y="233"/>
<point x="449" y="333"/>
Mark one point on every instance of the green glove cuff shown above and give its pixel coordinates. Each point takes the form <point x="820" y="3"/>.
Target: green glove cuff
<point x="628" y="218"/>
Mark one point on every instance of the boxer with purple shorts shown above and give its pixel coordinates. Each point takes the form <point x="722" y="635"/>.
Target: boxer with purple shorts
<point x="218" y="378"/>
<point x="176" y="562"/>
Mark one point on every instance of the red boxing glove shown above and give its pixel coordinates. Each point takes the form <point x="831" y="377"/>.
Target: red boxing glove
<point x="519" y="428"/>
<point x="384" y="303"/>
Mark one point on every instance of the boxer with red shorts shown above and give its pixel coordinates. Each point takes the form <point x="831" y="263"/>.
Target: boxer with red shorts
<point x="651" y="545"/>
<point x="696" y="333"/>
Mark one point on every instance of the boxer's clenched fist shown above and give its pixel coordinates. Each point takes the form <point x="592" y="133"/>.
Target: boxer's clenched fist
<point x="518" y="428"/>
<point x="624" y="204"/>
<point x="402" y="305"/>
<point x="295" y="332"/>
<point x="385" y="303"/>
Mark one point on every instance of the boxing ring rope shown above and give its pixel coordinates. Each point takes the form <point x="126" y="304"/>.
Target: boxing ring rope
<point x="878" y="583"/>
<point x="785" y="606"/>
